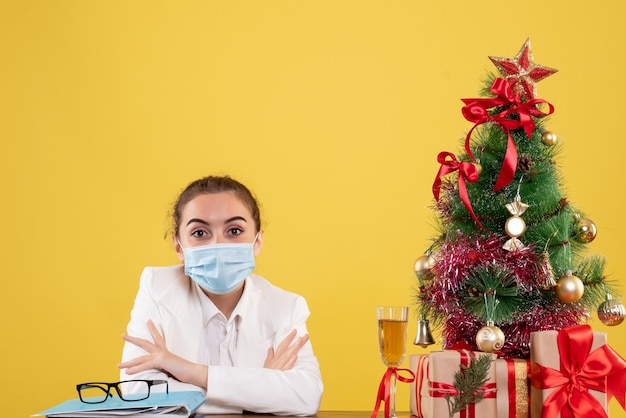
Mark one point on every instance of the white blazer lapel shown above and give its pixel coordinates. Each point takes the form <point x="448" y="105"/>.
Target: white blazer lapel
<point x="257" y="330"/>
<point x="183" y="323"/>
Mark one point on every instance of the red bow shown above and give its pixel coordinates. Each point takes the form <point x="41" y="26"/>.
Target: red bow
<point x="467" y="172"/>
<point x="384" y="389"/>
<point x="602" y="370"/>
<point x="476" y="110"/>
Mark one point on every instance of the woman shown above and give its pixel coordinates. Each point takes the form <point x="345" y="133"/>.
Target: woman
<point x="210" y="324"/>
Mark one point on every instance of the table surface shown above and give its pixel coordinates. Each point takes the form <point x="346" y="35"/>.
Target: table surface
<point x="320" y="414"/>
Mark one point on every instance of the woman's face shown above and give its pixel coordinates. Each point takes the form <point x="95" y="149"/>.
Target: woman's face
<point x="216" y="218"/>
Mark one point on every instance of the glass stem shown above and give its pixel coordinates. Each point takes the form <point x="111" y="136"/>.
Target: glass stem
<point x="392" y="397"/>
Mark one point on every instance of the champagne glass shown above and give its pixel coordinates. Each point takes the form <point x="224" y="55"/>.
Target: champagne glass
<point x="392" y="330"/>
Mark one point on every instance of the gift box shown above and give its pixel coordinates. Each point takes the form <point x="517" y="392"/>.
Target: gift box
<point x="419" y="399"/>
<point x="512" y="385"/>
<point x="513" y="388"/>
<point x="574" y="373"/>
<point x="442" y="366"/>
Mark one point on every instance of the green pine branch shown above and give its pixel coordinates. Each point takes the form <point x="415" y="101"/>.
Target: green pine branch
<point x="469" y="382"/>
<point x="492" y="294"/>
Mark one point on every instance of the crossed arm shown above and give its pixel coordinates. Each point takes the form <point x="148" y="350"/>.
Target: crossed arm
<point x="160" y="358"/>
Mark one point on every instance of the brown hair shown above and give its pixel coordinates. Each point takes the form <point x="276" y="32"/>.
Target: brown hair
<point x="215" y="184"/>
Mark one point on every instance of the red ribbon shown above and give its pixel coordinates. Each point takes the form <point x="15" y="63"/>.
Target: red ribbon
<point x="460" y="345"/>
<point x="467" y="172"/>
<point x="476" y="110"/>
<point x="441" y="390"/>
<point x="384" y="389"/>
<point x="603" y="370"/>
<point x="511" y="387"/>
<point x="510" y="371"/>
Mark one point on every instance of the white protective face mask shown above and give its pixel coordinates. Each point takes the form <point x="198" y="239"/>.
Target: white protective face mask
<point x="219" y="268"/>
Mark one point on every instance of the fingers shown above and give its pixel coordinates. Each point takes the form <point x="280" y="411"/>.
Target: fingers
<point x="301" y="341"/>
<point x="286" y="354"/>
<point x="136" y="365"/>
<point x="146" y="345"/>
<point x="156" y="337"/>
<point x="295" y="347"/>
<point x="154" y="349"/>
<point x="269" y="359"/>
<point x="292" y="353"/>
<point x="139" y="342"/>
<point x="284" y="345"/>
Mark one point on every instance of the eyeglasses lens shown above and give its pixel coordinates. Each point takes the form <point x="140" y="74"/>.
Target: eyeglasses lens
<point x="93" y="392"/>
<point x="134" y="390"/>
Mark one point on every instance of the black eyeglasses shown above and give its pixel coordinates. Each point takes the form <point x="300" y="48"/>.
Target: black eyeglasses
<point x="127" y="390"/>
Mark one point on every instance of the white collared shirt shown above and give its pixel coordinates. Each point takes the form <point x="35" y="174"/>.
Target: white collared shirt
<point x="219" y="347"/>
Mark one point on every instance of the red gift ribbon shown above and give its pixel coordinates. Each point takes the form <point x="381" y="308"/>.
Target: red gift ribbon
<point x="460" y="346"/>
<point x="385" y="386"/>
<point x="511" y="388"/>
<point x="441" y="390"/>
<point x="467" y="172"/>
<point x="510" y="370"/>
<point x="476" y="110"/>
<point x="603" y="370"/>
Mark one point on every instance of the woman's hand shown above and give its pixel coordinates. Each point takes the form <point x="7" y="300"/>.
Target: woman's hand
<point x="286" y="354"/>
<point x="160" y="358"/>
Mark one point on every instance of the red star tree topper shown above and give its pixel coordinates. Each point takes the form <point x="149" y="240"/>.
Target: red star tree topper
<point x="521" y="72"/>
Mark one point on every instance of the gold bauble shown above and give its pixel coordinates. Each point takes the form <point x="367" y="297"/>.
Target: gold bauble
<point x="611" y="312"/>
<point x="585" y="230"/>
<point x="569" y="288"/>
<point x="423" y="263"/>
<point x="515" y="226"/>
<point x="549" y="138"/>
<point x="490" y="338"/>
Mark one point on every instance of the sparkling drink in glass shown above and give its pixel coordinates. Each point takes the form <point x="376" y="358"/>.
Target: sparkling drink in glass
<point x="392" y="334"/>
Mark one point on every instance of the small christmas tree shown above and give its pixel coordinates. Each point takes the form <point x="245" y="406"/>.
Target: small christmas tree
<point x="510" y="256"/>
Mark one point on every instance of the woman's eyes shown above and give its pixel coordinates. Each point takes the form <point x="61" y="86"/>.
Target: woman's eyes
<point x="199" y="234"/>
<point x="235" y="231"/>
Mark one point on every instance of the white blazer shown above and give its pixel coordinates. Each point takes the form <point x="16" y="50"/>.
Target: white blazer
<point x="172" y="301"/>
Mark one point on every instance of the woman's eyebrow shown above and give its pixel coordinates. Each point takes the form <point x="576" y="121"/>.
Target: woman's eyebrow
<point x="197" y="220"/>
<point x="229" y="220"/>
<point x="236" y="218"/>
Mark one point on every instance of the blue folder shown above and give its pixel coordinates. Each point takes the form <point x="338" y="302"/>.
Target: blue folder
<point x="174" y="404"/>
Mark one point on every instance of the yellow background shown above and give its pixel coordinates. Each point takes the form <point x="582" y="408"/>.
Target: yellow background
<point x="333" y="112"/>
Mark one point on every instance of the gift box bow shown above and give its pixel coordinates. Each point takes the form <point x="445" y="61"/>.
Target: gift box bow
<point x="580" y="370"/>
